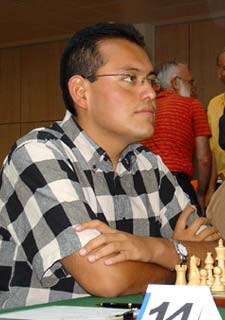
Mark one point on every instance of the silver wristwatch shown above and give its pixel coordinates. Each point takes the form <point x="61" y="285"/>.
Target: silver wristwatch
<point x="181" y="250"/>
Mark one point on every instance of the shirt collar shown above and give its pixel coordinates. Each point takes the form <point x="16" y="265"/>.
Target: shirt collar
<point x="91" y="151"/>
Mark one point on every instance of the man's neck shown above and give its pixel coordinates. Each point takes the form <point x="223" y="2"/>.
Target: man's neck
<point x="112" y="145"/>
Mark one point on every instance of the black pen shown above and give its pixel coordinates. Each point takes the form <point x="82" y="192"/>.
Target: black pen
<point x="119" y="305"/>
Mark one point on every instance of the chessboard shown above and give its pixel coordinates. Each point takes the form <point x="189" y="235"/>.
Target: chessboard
<point x="211" y="275"/>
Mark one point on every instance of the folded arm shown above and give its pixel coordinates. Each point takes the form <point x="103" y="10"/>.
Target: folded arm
<point x="117" y="263"/>
<point x="129" y="277"/>
<point x="124" y="246"/>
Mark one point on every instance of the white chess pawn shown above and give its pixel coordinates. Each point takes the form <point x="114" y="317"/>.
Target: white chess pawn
<point x="181" y="274"/>
<point x="220" y="257"/>
<point x="209" y="267"/>
<point x="218" y="284"/>
<point x="203" y="277"/>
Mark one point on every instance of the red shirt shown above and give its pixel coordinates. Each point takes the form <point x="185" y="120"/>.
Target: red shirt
<point x="179" y="120"/>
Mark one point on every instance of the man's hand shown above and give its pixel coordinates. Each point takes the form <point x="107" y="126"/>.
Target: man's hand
<point x="116" y="245"/>
<point x="199" y="230"/>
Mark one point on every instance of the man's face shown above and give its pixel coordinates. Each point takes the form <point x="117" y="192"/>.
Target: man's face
<point x="184" y="91"/>
<point x="121" y="107"/>
<point x="187" y="87"/>
<point x="221" y="67"/>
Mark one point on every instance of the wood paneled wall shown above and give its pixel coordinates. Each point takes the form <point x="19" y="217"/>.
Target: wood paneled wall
<point x="10" y="75"/>
<point x="29" y="90"/>
<point x="40" y="94"/>
<point x="172" y="42"/>
<point x="207" y="38"/>
<point x="197" y="44"/>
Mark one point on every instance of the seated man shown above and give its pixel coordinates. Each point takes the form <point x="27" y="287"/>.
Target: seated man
<point x="83" y="207"/>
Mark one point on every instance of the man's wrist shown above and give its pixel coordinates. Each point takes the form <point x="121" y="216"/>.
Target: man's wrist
<point x="181" y="251"/>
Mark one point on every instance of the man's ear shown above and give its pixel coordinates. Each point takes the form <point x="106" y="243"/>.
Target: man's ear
<point x="175" y="84"/>
<point x="77" y="89"/>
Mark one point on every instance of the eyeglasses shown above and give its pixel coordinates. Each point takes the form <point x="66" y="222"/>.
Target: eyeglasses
<point x="191" y="81"/>
<point x="132" y="79"/>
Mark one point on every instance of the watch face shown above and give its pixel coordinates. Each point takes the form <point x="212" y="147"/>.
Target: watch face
<point x="182" y="249"/>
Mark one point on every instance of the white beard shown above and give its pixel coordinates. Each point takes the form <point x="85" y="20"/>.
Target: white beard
<point x="184" y="92"/>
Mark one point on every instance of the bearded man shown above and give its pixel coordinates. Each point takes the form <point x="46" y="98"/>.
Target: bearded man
<point x="182" y="131"/>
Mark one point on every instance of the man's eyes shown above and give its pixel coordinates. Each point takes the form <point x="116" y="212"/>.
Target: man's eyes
<point x="134" y="79"/>
<point x="130" y="78"/>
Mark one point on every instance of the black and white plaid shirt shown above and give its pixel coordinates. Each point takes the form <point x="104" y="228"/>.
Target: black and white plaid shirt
<point x="57" y="177"/>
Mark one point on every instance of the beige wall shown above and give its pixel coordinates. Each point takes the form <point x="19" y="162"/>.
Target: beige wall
<point x="29" y="91"/>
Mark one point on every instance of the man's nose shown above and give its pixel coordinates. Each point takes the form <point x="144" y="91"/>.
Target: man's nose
<point x="149" y="90"/>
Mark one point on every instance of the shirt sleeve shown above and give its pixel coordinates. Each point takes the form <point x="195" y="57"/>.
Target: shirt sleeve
<point x="46" y="202"/>
<point x="200" y="120"/>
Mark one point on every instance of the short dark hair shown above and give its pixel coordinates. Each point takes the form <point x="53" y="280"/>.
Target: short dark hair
<point x="218" y="56"/>
<point x="82" y="57"/>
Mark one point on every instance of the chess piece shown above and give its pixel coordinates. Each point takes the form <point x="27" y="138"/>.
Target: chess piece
<point x="218" y="284"/>
<point x="203" y="277"/>
<point x="209" y="267"/>
<point x="194" y="275"/>
<point x="220" y="257"/>
<point x="181" y="274"/>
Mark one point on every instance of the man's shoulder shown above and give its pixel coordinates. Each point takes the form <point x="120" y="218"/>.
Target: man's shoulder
<point x="37" y="136"/>
<point x="220" y="98"/>
<point x="197" y="105"/>
<point x="42" y="134"/>
<point x="194" y="105"/>
<point x="191" y="101"/>
<point x="169" y="96"/>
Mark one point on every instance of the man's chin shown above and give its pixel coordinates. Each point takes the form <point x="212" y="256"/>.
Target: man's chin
<point x="146" y="136"/>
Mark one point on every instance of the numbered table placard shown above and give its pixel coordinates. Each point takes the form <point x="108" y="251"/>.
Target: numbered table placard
<point x="170" y="302"/>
